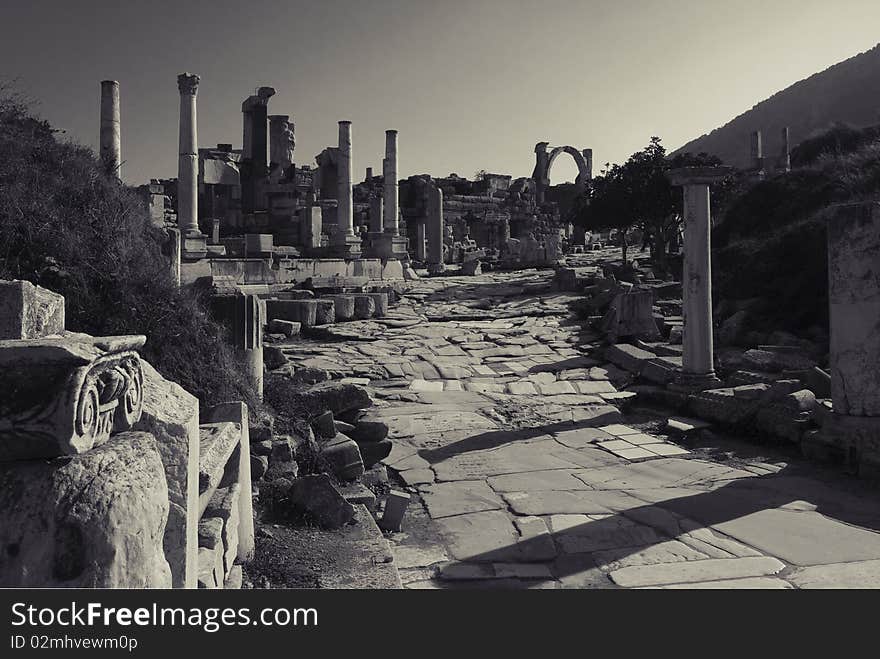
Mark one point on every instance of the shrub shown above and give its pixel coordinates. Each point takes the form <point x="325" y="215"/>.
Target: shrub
<point x="67" y="225"/>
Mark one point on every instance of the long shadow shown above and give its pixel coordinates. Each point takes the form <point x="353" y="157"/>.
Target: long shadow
<point x="496" y="438"/>
<point x="616" y="534"/>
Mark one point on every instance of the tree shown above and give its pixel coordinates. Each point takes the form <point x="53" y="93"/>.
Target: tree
<point x="638" y="194"/>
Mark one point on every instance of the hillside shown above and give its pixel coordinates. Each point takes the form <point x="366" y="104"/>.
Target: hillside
<point x="844" y="93"/>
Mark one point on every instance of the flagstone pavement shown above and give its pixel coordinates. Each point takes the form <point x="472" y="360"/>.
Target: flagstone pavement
<point x="525" y="473"/>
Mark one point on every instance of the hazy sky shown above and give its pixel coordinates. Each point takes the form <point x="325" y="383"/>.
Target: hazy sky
<point x="469" y="84"/>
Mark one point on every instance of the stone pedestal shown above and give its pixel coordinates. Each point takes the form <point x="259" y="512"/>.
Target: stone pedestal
<point x="698" y="370"/>
<point x="111" y="149"/>
<point x="243" y="316"/>
<point x="194" y="242"/>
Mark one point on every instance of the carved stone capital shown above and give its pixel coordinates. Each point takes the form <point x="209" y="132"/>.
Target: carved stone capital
<point x="188" y="83"/>
<point x="68" y="394"/>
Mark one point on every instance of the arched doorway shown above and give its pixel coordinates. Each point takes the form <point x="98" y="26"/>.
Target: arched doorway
<point x="544" y="161"/>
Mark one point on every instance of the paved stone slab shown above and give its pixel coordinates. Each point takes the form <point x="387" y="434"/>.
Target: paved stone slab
<point x="533" y="481"/>
<point x="579" y="571"/>
<point x="581" y="437"/>
<point x="619" y="430"/>
<point x="671" y="551"/>
<point x="487" y="536"/>
<point x="749" y="583"/>
<point x="861" y="574"/>
<point x="664" y="473"/>
<point x="801" y="538"/>
<point x="551" y="502"/>
<point x="413" y="556"/>
<point x="446" y="499"/>
<point x="506" y="460"/>
<point x="690" y="572"/>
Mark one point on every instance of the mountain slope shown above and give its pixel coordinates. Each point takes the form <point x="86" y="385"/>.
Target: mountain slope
<point x="847" y="92"/>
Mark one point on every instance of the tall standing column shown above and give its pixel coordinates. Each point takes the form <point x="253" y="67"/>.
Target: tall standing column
<point x="698" y="371"/>
<point x="188" y="160"/>
<point x="785" y="152"/>
<point x="111" y="131"/>
<point x="391" y="202"/>
<point x="757" y="152"/>
<point x="345" y="207"/>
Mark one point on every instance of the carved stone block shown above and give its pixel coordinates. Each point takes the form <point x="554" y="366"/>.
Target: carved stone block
<point x="66" y="395"/>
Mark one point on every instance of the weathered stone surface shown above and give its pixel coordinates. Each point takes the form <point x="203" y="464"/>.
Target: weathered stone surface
<point x="273" y="357"/>
<point x="28" y="311"/>
<point x="301" y="311"/>
<point x="691" y="572"/>
<point x="343" y="457"/>
<point x="364" y="307"/>
<point x="395" y="508"/>
<point x="325" y="312"/>
<point x="486" y="536"/>
<point x="380" y="301"/>
<point x="282" y="393"/>
<point x="860" y="574"/>
<point x="217" y="441"/>
<point x="286" y="327"/>
<point x="628" y="357"/>
<point x="854" y="300"/>
<point x="224" y="504"/>
<point x="171" y="415"/>
<point x="94" y="520"/>
<point x="446" y="499"/>
<point x="316" y="496"/>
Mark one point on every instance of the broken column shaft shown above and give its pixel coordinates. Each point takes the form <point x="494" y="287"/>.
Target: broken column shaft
<point x="110" y="136"/>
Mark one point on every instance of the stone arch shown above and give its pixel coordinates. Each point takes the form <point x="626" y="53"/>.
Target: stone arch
<point x="544" y="161"/>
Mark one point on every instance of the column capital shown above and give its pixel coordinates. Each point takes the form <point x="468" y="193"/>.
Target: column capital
<point x="188" y="83"/>
<point x="698" y="175"/>
<point x="391" y="131"/>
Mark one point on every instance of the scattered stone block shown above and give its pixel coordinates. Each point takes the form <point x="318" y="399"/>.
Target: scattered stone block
<point x="395" y="507"/>
<point x="259" y="466"/>
<point x="364" y="307"/>
<point x="316" y="496"/>
<point x="286" y="327"/>
<point x="273" y="357"/>
<point x="301" y="311"/>
<point x="344" y="457"/>
<point x="217" y="441"/>
<point x="325" y="312"/>
<point x="28" y="311"/>
<point x="380" y="301"/>
<point x="628" y="357"/>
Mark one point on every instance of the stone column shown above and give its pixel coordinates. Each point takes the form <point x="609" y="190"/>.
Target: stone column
<point x="435" y="229"/>
<point x="376" y="214"/>
<point x="698" y="371"/>
<point x="757" y="152"/>
<point x="785" y="152"/>
<point x="347" y="243"/>
<point x="255" y="147"/>
<point x="111" y="149"/>
<point x="389" y="172"/>
<point x="188" y="160"/>
<point x="343" y="195"/>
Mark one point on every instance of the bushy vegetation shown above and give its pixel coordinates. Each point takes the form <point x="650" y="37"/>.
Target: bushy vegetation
<point x="771" y="241"/>
<point x="67" y="225"/>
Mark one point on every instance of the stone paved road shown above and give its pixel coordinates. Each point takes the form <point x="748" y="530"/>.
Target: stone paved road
<point x="526" y="475"/>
